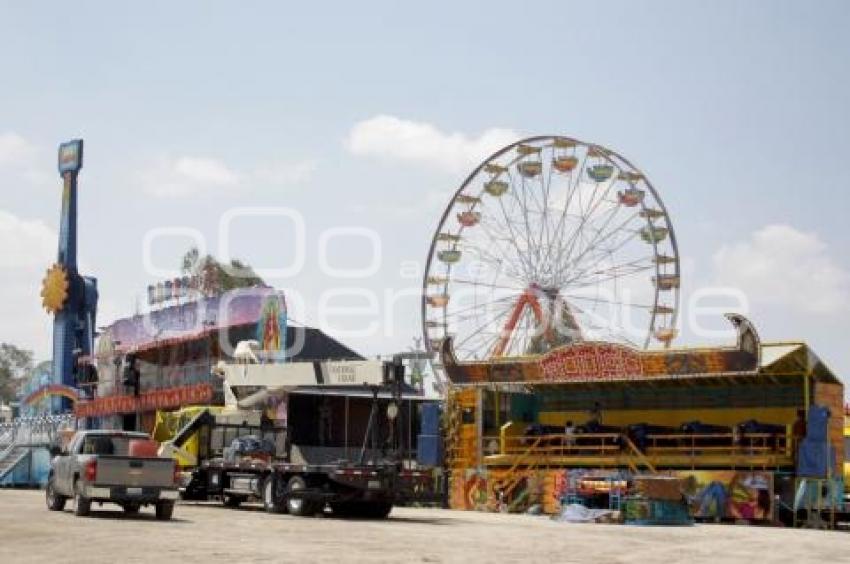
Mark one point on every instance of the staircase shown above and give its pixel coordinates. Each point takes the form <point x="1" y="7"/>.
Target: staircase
<point x="523" y="467"/>
<point x="10" y="458"/>
<point x="637" y="457"/>
<point x="23" y="437"/>
<point x="7" y="436"/>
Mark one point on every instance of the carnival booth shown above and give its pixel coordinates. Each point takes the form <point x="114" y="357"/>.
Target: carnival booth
<point x="737" y="426"/>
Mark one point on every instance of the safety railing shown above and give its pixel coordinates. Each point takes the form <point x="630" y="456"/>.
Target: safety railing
<point x="731" y="444"/>
<point x="7" y="435"/>
<point x="33" y="431"/>
<point x="584" y="444"/>
<point x="644" y="453"/>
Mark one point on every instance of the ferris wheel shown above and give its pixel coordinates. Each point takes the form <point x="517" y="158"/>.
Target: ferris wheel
<point x="548" y="242"/>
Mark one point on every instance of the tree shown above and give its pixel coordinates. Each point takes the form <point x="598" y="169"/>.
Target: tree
<point x="15" y="363"/>
<point x="216" y="277"/>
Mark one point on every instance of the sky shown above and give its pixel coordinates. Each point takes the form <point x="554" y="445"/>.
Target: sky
<point x="367" y="117"/>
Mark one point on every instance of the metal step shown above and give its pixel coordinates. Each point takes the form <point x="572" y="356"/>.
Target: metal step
<point x="12" y="458"/>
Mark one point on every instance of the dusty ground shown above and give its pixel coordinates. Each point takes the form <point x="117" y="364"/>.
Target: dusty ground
<point x="211" y="533"/>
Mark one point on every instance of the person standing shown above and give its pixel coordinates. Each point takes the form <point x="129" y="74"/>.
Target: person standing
<point x="595" y="415"/>
<point x="569" y="434"/>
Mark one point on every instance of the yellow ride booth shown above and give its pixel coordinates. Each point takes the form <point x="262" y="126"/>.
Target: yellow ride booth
<point x="579" y="422"/>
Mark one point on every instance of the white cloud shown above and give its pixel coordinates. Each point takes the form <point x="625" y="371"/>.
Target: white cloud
<point x="23" y="164"/>
<point x="188" y="176"/>
<point x="394" y="138"/>
<point x="15" y="151"/>
<point x="780" y="265"/>
<point x="205" y="171"/>
<point x="286" y="173"/>
<point x="191" y="176"/>
<point x="29" y="248"/>
<point x="25" y="244"/>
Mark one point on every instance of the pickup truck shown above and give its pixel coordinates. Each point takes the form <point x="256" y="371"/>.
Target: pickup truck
<point x="112" y="467"/>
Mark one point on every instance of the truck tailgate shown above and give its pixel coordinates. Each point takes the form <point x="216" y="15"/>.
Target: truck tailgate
<point x="137" y="472"/>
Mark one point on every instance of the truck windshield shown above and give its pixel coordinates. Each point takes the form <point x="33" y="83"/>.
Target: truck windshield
<point x="107" y="445"/>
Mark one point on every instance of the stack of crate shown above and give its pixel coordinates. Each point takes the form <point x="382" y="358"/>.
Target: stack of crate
<point x="657" y="501"/>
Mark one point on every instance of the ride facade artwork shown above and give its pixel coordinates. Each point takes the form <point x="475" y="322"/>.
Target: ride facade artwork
<point x="271" y="328"/>
<point x="551" y="241"/>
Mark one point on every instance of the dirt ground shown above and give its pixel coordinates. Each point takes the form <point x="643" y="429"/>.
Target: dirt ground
<point x="212" y="533"/>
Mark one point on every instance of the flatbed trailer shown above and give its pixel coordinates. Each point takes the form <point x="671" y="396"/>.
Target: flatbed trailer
<point x="348" y="489"/>
<point x="364" y="484"/>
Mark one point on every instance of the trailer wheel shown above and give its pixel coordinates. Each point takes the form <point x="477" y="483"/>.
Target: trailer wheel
<point x="343" y="509"/>
<point x="377" y="509"/>
<point x="271" y="501"/>
<point x="298" y="506"/>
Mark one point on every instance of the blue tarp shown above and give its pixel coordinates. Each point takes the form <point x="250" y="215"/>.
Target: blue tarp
<point x="814" y="458"/>
<point x="815" y="455"/>
<point x="817" y="425"/>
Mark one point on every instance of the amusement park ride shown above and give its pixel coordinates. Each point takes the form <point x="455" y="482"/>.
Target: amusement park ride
<point x="552" y="272"/>
<point x="69" y="296"/>
<point x="551" y="241"/>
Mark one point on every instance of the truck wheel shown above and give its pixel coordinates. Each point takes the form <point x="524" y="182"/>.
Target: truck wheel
<point x="298" y="506"/>
<point x="343" y="509"/>
<point x="82" y="504"/>
<point x="231" y="500"/>
<point x="164" y="510"/>
<point x="376" y="509"/>
<point x="271" y="502"/>
<point x="55" y="502"/>
<point x="131" y="508"/>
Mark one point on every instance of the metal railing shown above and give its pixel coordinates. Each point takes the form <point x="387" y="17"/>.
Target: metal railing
<point x="33" y="431"/>
<point x="611" y="444"/>
<point x="584" y="444"/>
<point x="7" y="435"/>
<point x="731" y="444"/>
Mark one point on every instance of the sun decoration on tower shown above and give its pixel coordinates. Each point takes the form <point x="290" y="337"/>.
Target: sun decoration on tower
<point x="54" y="289"/>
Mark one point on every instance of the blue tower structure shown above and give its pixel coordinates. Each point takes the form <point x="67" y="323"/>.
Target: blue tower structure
<point x="70" y="297"/>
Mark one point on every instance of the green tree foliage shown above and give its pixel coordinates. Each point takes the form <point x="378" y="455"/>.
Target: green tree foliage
<point x="216" y="277"/>
<point x="15" y="363"/>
